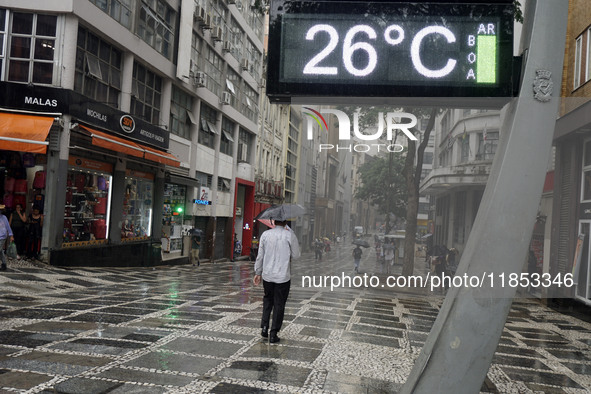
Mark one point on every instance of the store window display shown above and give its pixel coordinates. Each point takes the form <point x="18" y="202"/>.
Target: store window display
<point x="88" y="201"/>
<point x="137" y="206"/>
<point x="173" y="216"/>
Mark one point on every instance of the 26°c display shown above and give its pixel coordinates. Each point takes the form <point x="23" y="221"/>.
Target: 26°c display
<point x="328" y="48"/>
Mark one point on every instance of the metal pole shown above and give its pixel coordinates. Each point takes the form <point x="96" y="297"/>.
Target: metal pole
<point x="460" y="347"/>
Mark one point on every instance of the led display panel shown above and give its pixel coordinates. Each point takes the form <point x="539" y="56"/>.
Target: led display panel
<point x="389" y="49"/>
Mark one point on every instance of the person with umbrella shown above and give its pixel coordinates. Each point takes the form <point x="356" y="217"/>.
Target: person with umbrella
<point x="195" y="245"/>
<point x="277" y="247"/>
<point x="357" y="253"/>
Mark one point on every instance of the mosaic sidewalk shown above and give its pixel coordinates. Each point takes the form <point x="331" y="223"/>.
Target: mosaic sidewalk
<point x="191" y="329"/>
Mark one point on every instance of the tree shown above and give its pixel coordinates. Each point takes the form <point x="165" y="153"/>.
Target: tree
<point x="383" y="184"/>
<point x="412" y="176"/>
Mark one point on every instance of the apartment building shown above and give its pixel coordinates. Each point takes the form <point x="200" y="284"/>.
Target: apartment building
<point x="138" y="117"/>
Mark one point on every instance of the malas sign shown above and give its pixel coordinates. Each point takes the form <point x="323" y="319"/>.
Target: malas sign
<point x="390" y="49"/>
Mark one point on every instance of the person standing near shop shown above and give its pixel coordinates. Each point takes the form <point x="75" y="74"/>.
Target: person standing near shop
<point x="277" y="247"/>
<point x="357" y="253"/>
<point x="34" y="237"/>
<point x="5" y="234"/>
<point x="18" y="224"/>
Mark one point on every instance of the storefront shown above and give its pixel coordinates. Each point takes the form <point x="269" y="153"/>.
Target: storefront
<point x="101" y="183"/>
<point x="244" y="214"/>
<point x="571" y="211"/>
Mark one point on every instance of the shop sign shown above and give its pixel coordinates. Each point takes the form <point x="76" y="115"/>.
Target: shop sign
<point x="88" y="164"/>
<point x="139" y="174"/>
<point x="201" y="202"/>
<point x="115" y="121"/>
<point x="203" y="196"/>
<point x="33" y="98"/>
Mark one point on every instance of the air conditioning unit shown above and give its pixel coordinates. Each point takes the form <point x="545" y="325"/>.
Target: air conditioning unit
<point x="200" y="78"/>
<point x="216" y="33"/>
<point x="226" y="98"/>
<point x="200" y="15"/>
<point x="244" y="64"/>
<point x="227" y="47"/>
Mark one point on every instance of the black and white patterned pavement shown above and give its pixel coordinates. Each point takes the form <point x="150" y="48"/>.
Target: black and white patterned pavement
<point x="187" y="329"/>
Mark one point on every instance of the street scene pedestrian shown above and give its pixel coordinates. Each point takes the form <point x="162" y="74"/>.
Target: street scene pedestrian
<point x="35" y="226"/>
<point x="357" y="253"/>
<point x="5" y="235"/>
<point x="18" y="223"/>
<point x="277" y="247"/>
<point x="195" y="247"/>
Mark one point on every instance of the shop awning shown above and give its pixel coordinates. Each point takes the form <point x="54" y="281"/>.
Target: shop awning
<point x="113" y="143"/>
<point x="160" y="157"/>
<point x="118" y="144"/>
<point x="24" y="133"/>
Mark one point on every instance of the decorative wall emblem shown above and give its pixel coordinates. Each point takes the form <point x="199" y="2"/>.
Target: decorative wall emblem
<point x="543" y="86"/>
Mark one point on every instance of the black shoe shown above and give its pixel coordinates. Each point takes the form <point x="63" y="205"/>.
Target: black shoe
<point x="265" y="332"/>
<point x="3" y="267"/>
<point x="274" y="338"/>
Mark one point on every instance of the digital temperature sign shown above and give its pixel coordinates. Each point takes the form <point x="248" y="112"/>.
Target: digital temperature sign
<point x="390" y="49"/>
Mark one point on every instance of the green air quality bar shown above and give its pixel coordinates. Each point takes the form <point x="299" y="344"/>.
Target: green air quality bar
<point x="486" y="59"/>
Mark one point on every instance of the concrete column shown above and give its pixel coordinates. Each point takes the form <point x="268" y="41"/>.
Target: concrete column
<point x="55" y="191"/>
<point x="165" y="104"/>
<point x="117" y="194"/>
<point x="126" y="82"/>
<point x="158" y="201"/>
<point x="70" y="36"/>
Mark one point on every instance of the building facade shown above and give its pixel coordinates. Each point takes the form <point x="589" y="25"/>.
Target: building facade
<point x="571" y="211"/>
<point x="465" y="144"/>
<point x="153" y="102"/>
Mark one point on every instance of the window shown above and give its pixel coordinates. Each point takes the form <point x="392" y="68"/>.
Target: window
<point x="120" y="10"/>
<point x="207" y="126"/>
<point x="249" y="102"/>
<point x="428" y="158"/>
<point x="156" y="26"/>
<point x="227" y="141"/>
<point x="98" y="69"/>
<point x="465" y="148"/>
<point x="204" y="179"/>
<point x="234" y="86"/>
<point x="237" y="40"/>
<point x="212" y="67"/>
<point x="487" y="145"/>
<point x="32" y="44"/>
<point x="223" y="185"/>
<point x="3" y="30"/>
<point x="578" y="60"/>
<point x="586" y="186"/>
<point x="181" y="116"/>
<point x="244" y="143"/>
<point x="146" y="90"/>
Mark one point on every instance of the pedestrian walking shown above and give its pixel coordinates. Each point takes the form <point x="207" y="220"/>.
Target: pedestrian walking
<point x="35" y="221"/>
<point x="5" y="234"/>
<point x="318" y="248"/>
<point x="357" y="253"/>
<point x="277" y="247"/>
<point x="195" y="246"/>
<point x="18" y="224"/>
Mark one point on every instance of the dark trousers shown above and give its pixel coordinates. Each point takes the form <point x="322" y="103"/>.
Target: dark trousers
<point x="274" y="300"/>
<point x="20" y="239"/>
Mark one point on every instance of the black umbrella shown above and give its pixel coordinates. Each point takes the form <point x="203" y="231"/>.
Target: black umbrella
<point x="361" y="242"/>
<point x="282" y="212"/>
<point x="196" y="231"/>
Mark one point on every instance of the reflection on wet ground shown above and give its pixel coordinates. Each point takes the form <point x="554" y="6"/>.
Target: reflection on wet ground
<point x="191" y="329"/>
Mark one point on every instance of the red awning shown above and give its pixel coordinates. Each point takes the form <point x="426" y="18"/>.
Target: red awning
<point x="160" y="156"/>
<point x="113" y="143"/>
<point x="24" y="133"/>
<point x="122" y="145"/>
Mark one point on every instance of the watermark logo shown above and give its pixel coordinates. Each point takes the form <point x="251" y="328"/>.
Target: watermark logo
<point x="391" y="122"/>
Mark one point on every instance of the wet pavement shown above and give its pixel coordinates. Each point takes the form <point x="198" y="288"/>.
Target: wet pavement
<point x="186" y="329"/>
